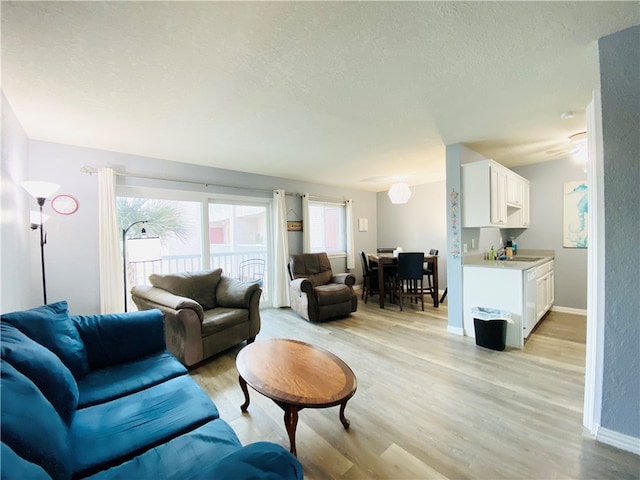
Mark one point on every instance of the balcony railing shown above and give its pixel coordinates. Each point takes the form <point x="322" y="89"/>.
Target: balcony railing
<point x="227" y="261"/>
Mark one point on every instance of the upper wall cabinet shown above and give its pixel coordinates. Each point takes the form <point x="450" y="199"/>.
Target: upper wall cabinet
<point x="494" y="196"/>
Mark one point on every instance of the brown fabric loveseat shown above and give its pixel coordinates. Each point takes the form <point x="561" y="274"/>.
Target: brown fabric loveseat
<point x="316" y="293"/>
<point x="204" y="312"/>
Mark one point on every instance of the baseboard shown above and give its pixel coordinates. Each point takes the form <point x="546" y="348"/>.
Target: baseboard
<point x="455" y="330"/>
<point x="619" y="440"/>
<point x="575" y="311"/>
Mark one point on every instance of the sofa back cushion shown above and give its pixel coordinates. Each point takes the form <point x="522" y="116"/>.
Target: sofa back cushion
<point x="30" y="425"/>
<point x="50" y="325"/>
<point x="43" y="368"/>
<point x="136" y="334"/>
<point x="199" y="286"/>
<point x="315" y="267"/>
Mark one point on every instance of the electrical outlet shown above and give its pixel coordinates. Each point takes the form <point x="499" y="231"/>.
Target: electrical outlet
<point x="473" y="243"/>
<point x="464" y="248"/>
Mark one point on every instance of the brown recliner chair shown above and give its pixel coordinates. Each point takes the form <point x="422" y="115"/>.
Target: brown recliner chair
<point x="204" y="312"/>
<point x="316" y="293"/>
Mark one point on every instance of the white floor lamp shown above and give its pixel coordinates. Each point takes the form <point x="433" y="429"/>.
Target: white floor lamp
<point x="141" y="249"/>
<point x="40" y="191"/>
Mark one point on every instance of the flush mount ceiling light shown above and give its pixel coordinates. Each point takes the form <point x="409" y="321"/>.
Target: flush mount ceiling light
<point x="399" y="193"/>
<point x="580" y="152"/>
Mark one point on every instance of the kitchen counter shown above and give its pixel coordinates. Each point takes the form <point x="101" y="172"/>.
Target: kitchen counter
<point x="522" y="288"/>
<point x="542" y="256"/>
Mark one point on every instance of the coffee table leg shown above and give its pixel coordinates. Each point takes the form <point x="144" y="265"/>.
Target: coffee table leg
<point x="291" y="422"/>
<point x="343" y="419"/>
<point x="245" y="390"/>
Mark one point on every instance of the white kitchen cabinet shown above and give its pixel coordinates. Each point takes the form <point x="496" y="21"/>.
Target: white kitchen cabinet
<point x="514" y="189"/>
<point x="493" y="196"/>
<point x="545" y="282"/>
<point x="525" y="292"/>
<point x="498" y="200"/>
<point x="525" y="204"/>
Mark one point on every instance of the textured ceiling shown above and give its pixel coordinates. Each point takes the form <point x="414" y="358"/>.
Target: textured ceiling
<point x="347" y="94"/>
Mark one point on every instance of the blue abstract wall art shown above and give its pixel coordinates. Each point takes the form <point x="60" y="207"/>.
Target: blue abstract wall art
<point x="576" y="208"/>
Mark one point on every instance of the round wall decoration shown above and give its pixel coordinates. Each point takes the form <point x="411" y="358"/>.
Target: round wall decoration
<point x="64" y="204"/>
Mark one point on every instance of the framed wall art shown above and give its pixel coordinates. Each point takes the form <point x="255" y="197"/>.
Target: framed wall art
<point x="576" y="208"/>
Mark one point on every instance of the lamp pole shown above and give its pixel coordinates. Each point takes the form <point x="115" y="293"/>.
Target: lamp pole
<point x="124" y="258"/>
<point x="43" y="241"/>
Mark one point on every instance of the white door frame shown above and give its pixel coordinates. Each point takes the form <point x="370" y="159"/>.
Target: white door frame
<point x="595" y="268"/>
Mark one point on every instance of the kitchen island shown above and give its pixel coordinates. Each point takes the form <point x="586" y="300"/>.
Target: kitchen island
<point x="522" y="286"/>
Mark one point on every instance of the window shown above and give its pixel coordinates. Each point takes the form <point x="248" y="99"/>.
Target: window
<point x="327" y="227"/>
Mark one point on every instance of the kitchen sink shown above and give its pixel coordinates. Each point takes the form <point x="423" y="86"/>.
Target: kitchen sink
<point x="518" y="258"/>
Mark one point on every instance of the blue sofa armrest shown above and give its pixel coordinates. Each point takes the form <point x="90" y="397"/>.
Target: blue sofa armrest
<point x="260" y="460"/>
<point x="115" y="338"/>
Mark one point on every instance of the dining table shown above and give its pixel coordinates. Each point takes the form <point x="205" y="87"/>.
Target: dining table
<point x="388" y="260"/>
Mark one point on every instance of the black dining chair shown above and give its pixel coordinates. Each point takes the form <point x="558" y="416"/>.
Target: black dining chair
<point x="369" y="278"/>
<point x="409" y="277"/>
<point x="427" y="271"/>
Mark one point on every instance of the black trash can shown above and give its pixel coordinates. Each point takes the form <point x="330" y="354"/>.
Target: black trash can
<point x="490" y="326"/>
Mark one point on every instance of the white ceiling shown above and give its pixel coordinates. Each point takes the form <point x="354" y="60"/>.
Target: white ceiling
<point x="329" y="92"/>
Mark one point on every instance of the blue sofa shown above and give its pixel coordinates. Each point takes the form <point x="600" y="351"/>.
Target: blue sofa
<point x="100" y="397"/>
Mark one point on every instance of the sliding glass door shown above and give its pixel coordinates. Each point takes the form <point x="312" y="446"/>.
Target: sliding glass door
<point x="176" y="222"/>
<point x="238" y="241"/>
<point x="199" y="234"/>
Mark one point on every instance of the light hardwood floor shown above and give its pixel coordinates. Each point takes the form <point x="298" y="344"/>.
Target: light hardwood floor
<point x="431" y="404"/>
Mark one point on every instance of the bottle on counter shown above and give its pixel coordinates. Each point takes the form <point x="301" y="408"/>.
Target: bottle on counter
<point x="492" y="254"/>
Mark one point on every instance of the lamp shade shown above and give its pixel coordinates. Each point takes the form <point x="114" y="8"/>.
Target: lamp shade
<point x="399" y="193"/>
<point x="40" y="189"/>
<point x="144" y="249"/>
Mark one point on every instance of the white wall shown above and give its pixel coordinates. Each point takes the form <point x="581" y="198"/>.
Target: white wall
<point x="18" y="290"/>
<point x="418" y="225"/>
<point x="72" y="250"/>
<point x="457" y="155"/>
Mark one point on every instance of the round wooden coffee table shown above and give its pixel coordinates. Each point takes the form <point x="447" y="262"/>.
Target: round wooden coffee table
<point x="295" y="375"/>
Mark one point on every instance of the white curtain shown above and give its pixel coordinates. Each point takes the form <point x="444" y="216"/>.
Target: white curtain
<point x="351" y="258"/>
<point x="306" y="233"/>
<point x="111" y="287"/>
<point x="280" y="250"/>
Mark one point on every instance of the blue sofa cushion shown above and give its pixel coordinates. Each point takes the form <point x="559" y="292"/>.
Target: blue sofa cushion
<point x="260" y="460"/>
<point x="42" y="367"/>
<point x="105" y="384"/>
<point x="120" y="337"/>
<point x="50" y="325"/>
<point x="138" y="422"/>
<point x="31" y="426"/>
<point x="14" y="466"/>
<point x="180" y="457"/>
